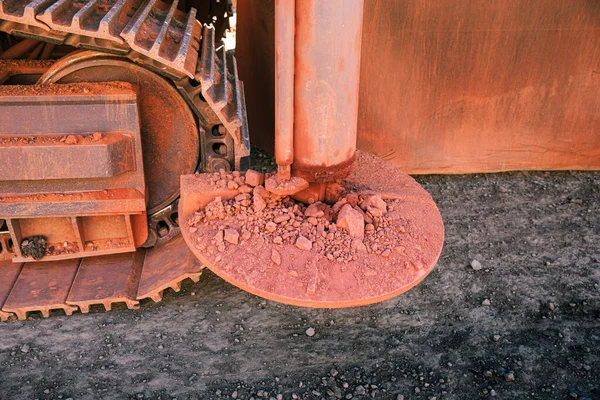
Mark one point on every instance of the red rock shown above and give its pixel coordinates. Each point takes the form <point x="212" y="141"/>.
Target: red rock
<point x="232" y="185"/>
<point x="241" y="197"/>
<point x="281" y="218"/>
<point x="358" y="245"/>
<point x="275" y="257"/>
<point x="375" y="201"/>
<point x="333" y="192"/>
<point x="376" y="212"/>
<point x="271" y="226"/>
<point x="316" y="210"/>
<point x="254" y="178"/>
<point x="258" y="203"/>
<point x="352" y="199"/>
<point x="338" y="206"/>
<point x="352" y="221"/>
<point x="260" y="191"/>
<point x="71" y="139"/>
<point x="303" y="243"/>
<point x="232" y="236"/>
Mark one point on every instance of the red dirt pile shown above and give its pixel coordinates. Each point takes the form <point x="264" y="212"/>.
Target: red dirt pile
<point x="358" y="222"/>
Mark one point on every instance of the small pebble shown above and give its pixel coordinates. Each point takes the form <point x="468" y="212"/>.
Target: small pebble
<point x="310" y="332"/>
<point x="476" y="265"/>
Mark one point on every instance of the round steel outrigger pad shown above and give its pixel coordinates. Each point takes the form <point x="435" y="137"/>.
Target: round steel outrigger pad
<point x="306" y="278"/>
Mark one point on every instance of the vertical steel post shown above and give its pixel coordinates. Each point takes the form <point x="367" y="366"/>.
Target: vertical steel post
<point x="284" y="86"/>
<point x="327" y="69"/>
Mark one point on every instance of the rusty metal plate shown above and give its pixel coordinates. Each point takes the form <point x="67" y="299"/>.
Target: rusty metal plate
<point x="170" y="139"/>
<point x="166" y="267"/>
<point x="35" y="157"/>
<point x="42" y="287"/>
<point x="9" y="272"/>
<point x="305" y="278"/>
<point x="107" y="280"/>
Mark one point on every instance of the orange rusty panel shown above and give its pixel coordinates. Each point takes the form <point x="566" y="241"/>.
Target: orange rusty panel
<point x="449" y="86"/>
<point x="453" y="87"/>
<point x="54" y="229"/>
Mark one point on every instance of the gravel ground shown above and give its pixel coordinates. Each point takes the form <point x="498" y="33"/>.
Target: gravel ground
<point x="523" y="322"/>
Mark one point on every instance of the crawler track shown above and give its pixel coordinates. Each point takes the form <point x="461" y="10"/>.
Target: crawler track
<point x="173" y="44"/>
<point x="80" y="283"/>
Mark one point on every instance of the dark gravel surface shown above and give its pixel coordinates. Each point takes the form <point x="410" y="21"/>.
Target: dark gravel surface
<point x="526" y="325"/>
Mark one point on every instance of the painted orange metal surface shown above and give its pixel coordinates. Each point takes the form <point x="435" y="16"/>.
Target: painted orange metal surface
<point x="327" y="68"/>
<point x="449" y="86"/>
<point x="285" y="20"/>
<point x="460" y="87"/>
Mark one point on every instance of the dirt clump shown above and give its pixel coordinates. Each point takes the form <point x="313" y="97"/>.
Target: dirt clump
<point x="358" y="222"/>
<point x="34" y="246"/>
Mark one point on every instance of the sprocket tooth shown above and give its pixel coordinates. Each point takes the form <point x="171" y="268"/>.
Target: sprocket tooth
<point x="4" y="316"/>
<point x="162" y="271"/>
<point x="107" y="280"/>
<point x="156" y="296"/>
